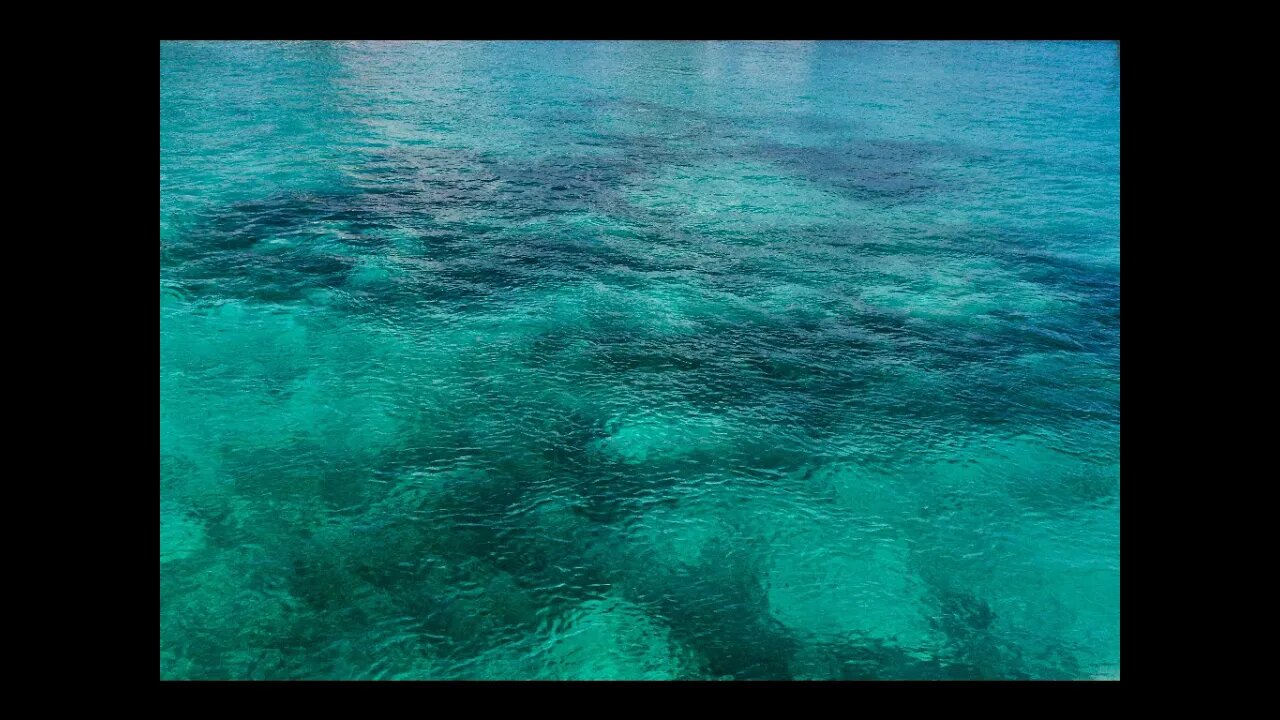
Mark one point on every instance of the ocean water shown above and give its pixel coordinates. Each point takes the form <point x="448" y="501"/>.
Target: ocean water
<point x="651" y="360"/>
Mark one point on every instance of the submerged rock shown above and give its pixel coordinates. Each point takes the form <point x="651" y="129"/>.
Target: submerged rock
<point x="612" y="639"/>
<point x="181" y="536"/>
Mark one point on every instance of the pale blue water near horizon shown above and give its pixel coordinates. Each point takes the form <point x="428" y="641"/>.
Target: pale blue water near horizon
<point x="639" y="360"/>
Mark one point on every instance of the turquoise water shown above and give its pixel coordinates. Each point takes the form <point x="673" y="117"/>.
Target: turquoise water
<point x="639" y="360"/>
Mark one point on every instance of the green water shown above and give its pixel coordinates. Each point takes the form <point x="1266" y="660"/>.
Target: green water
<point x="639" y="360"/>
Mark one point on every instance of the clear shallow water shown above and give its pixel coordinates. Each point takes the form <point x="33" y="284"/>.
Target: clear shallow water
<point x="639" y="360"/>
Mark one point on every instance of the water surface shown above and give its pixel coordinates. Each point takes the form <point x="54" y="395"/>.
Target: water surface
<point x="639" y="360"/>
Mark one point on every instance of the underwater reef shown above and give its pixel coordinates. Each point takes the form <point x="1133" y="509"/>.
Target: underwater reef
<point x="639" y="360"/>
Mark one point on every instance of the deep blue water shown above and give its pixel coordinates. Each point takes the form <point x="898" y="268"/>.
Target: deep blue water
<point x="639" y="360"/>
